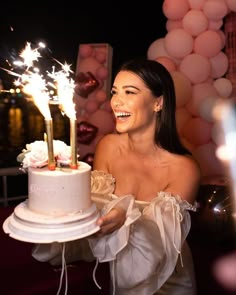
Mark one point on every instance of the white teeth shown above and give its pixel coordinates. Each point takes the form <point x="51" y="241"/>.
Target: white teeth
<point x="122" y="114"/>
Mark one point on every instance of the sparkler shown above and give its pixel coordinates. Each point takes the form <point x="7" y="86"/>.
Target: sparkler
<point x="65" y="92"/>
<point x="36" y="86"/>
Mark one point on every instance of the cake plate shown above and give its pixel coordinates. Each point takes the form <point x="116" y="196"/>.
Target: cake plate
<point x="28" y="226"/>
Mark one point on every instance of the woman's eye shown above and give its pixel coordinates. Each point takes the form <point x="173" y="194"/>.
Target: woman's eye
<point x="129" y="92"/>
<point x="113" y="92"/>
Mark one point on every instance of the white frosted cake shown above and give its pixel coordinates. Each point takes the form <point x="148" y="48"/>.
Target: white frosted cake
<point x="59" y="205"/>
<point x="59" y="192"/>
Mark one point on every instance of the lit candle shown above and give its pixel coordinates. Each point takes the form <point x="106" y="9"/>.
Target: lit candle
<point x="73" y="143"/>
<point x="49" y="139"/>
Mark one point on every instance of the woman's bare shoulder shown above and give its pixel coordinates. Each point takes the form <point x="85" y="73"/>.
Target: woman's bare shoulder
<point x="105" y="152"/>
<point x="187" y="164"/>
<point x="185" y="177"/>
<point x="108" y="141"/>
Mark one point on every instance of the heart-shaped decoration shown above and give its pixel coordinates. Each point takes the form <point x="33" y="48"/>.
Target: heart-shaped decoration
<point x="86" y="132"/>
<point x="85" y="83"/>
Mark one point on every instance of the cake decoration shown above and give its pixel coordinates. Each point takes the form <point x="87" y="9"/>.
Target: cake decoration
<point x="36" y="154"/>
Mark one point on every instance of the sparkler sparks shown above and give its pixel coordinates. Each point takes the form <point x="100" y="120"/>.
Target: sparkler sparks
<point x="38" y="87"/>
<point x="29" y="55"/>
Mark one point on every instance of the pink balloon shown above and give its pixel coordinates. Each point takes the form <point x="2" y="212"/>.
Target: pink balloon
<point x="89" y="64"/>
<point x="195" y="22"/>
<point x="100" y="96"/>
<point x="223" y="38"/>
<point x="173" y="24"/>
<point x="156" y="49"/>
<point x="196" y="4"/>
<point x="183" y="88"/>
<point x="178" y="43"/>
<point x="213" y="41"/>
<point x="200" y="92"/>
<point x="215" y="25"/>
<point x="101" y="56"/>
<point x="91" y="106"/>
<point x="80" y="102"/>
<point x="219" y="65"/>
<point x="167" y="63"/>
<point x="196" y="67"/>
<point x="182" y="116"/>
<point x="102" y="73"/>
<point x="207" y="107"/>
<point x="85" y="50"/>
<point x="231" y="4"/>
<point x="197" y="131"/>
<point x="204" y="89"/>
<point x="175" y="9"/>
<point x="103" y="120"/>
<point x="206" y="157"/>
<point x="215" y="10"/>
<point x="224" y="87"/>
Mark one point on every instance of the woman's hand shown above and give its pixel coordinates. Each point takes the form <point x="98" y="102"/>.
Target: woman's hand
<point x="111" y="221"/>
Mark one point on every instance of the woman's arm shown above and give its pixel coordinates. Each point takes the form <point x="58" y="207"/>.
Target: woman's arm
<point x="103" y="155"/>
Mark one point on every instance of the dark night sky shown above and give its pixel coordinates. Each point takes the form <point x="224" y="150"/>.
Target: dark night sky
<point x="129" y="30"/>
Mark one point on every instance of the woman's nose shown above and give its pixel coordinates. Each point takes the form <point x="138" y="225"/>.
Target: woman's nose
<point x="116" y="102"/>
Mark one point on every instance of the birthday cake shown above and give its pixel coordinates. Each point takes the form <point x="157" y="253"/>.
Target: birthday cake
<point x="59" y="206"/>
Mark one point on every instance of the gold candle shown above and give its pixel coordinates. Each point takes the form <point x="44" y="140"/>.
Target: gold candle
<point x="49" y="137"/>
<point x="73" y="143"/>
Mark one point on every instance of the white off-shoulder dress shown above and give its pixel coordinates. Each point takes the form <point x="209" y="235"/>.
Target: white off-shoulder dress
<point x="148" y="254"/>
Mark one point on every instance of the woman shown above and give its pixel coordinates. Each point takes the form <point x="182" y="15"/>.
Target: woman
<point x="145" y="182"/>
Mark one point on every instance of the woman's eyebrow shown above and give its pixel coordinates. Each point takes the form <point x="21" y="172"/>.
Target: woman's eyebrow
<point x="126" y="86"/>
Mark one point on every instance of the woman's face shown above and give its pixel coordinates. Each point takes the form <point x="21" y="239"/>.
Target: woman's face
<point x="133" y="104"/>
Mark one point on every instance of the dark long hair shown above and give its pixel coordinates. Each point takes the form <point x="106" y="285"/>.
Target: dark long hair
<point x="159" y="81"/>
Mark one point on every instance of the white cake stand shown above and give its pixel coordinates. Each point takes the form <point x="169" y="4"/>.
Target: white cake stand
<point x="28" y="226"/>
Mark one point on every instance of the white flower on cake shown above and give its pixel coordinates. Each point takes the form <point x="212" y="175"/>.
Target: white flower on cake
<point x="36" y="154"/>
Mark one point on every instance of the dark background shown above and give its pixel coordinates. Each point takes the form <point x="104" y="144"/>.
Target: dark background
<point x="129" y="28"/>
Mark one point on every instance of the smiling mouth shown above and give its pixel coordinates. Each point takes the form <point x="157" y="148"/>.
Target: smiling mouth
<point x="120" y="115"/>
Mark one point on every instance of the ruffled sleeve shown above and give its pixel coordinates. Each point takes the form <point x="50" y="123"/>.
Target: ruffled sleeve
<point x="102" y="187"/>
<point x="107" y="247"/>
<point x="102" y="183"/>
<point x="170" y="214"/>
<point x="150" y="246"/>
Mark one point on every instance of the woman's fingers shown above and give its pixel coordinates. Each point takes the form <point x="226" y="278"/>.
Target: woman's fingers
<point x="111" y="221"/>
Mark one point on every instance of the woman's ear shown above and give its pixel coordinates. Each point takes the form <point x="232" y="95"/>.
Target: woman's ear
<point x="158" y="104"/>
